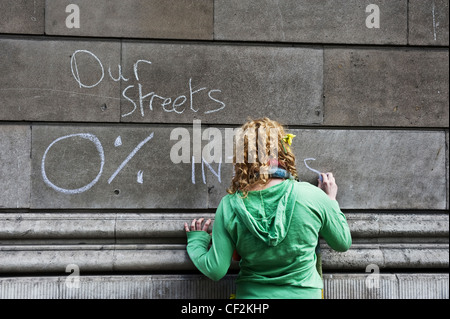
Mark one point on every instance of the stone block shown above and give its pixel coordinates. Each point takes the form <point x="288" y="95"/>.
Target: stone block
<point x="372" y="167"/>
<point x="423" y="286"/>
<point x="61" y="81"/>
<point x="428" y="22"/>
<point x="30" y="287"/>
<point x="416" y="256"/>
<point x="128" y="241"/>
<point x="57" y="228"/>
<point x="177" y="83"/>
<point x="387" y="256"/>
<point x="161" y="228"/>
<point x="167" y="228"/>
<point x="360" y="286"/>
<point x="397" y="225"/>
<point x="447" y="167"/>
<point x="111" y="167"/>
<point x="48" y="258"/>
<point x="126" y="286"/>
<point x="15" y="168"/>
<point x="413" y="158"/>
<point x="310" y="21"/>
<point x="22" y="16"/>
<point x="173" y="19"/>
<point x="74" y="163"/>
<point x="193" y="286"/>
<point x="386" y="87"/>
<point x="173" y="257"/>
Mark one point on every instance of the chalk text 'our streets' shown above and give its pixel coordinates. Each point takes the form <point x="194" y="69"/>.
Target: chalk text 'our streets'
<point x="144" y="100"/>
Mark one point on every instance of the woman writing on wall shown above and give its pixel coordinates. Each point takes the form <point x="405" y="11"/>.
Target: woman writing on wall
<point x="270" y="219"/>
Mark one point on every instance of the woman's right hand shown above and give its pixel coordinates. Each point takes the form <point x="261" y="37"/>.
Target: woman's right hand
<point x="328" y="185"/>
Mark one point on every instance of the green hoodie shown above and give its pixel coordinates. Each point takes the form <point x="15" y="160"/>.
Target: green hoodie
<point x="275" y="231"/>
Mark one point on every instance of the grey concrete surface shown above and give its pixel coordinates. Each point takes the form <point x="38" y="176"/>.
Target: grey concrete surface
<point x="377" y="169"/>
<point x="15" y="166"/>
<point x="447" y="168"/>
<point x="428" y="22"/>
<point x="173" y="257"/>
<point x="163" y="227"/>
<point x="370" y="104"/>
<point x="73" y="163"/>
<point x="176" y="19"/>
<point x="79" y="81"/>
<point x="310" y="21"/>
<point x="222" y="83"/>
<point x="127" y="241"/>
<point x="22" y="16"/>
<point x="386" y="87"/>
<point x="336" y="286"/>
<point x="39" y="81"/>
<point x="387" y="256"/>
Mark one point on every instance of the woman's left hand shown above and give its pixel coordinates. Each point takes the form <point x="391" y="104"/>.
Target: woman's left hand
<point x="196" y="225"/>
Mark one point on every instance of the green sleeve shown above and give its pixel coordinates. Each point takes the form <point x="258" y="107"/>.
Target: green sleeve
<point x="334" y="228"/>
<point x="213" y="263"/>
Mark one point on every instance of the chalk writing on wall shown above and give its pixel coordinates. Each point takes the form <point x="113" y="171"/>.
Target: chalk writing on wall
<point x="146" y="100"/>
<point x="101" y="155"/>
<point x="206" y="164"/>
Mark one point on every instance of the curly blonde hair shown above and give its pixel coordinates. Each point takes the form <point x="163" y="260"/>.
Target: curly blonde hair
<point x="254" y="148"/>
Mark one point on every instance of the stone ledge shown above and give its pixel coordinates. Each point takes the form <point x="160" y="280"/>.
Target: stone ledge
<point x="110" y="227"/>
<point x="336" y="286"/>
<point x="142" y="257"/>
<point x="108" y="242"/>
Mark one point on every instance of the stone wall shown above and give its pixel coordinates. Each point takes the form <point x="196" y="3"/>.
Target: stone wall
<point x="88" y="109"/>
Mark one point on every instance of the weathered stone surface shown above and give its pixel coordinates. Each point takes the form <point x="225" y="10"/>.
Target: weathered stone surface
<point x="78" y="179"/>
<point x="39" y="81"/>
<point x="414" y="286"/>
<point x="163" y="228"/>
<point x="28" y="258"/>
<point x="138" y="257"/>
<point x="15" y="166"/>
<point x="386" y="286"/>
<point x="22" y="16"/>
<point x="398" y="225"/>
<point x="57" y="228"/>
<point x="310" y="21"/>
<point x="79" y="81"/>
<point x="359" y="256"/>
<point x="385" y="169"/>
<point x="336" y="286"/>
<point x="447" y="166"/>
<point x="428" y="22"/>
<point x="361" y="286"/>
<point x="127" y="241"/>
<point x="221" y="83"/>
<point x="175" y="19"/>
<point x="412" y="158"/>
<point x="386" y="87"/>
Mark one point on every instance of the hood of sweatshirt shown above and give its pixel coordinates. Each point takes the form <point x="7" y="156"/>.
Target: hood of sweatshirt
<point x="267" y="213"/>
